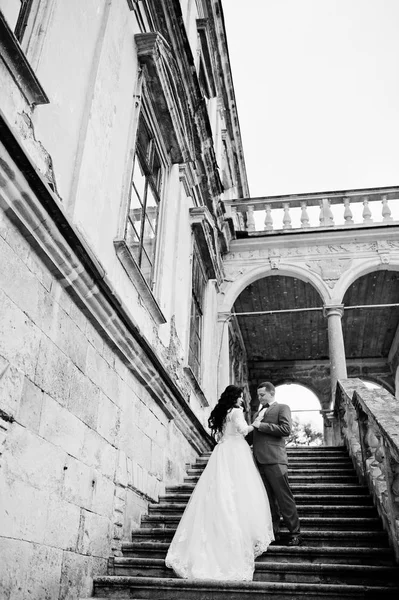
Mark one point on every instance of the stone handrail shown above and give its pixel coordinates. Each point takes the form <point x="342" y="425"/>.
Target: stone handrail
<point x="367" y="422"/>
<point x="281" y="206"/>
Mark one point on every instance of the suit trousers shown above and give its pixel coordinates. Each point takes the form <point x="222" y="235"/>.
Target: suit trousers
<point x="282" y="503"/>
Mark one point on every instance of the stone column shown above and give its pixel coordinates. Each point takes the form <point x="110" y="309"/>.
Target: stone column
<point x="336" y="345"/>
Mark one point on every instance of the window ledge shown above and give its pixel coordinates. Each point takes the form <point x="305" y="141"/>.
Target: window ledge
<point x="18" y="65"/>
<point x="135" y="275"/>
<point x="196" y="386"/>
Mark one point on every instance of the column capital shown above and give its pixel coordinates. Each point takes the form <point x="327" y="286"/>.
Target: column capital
<point x="335" y="309"/>
<point x="224" y="316"/>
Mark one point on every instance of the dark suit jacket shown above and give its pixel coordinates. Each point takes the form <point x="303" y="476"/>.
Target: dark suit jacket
<point x="268" y="440"/>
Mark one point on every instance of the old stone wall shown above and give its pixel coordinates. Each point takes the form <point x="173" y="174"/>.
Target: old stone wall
<point x="85" y="447"/>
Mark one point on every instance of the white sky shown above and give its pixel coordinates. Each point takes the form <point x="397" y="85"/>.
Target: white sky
<point x="317" y="90"/>
<point x="300" y="398"/>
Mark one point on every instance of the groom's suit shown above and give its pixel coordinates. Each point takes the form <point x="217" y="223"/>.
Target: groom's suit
<point x="271" y="457"/>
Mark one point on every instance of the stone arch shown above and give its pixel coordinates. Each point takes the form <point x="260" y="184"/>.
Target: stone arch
<point x="298" y="381"/>
<point x="378" y="381"/>
<point x="234" y="289"/>
<point x="321" y="391"/>
<point x="366" y="266"/>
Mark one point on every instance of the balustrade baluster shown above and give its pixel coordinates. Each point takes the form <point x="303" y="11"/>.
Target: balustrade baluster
<point x="287" y="217"/>
<point x="304" y="215"/>
<point x="321" y="215"/>
<point x="386" y="211"/>
<point x="348" y="216"/>
<point x="268" y="218"/>
<point x="326" y="214"/>
<point x="367" y="217"/>
<point x="250" y="218"/>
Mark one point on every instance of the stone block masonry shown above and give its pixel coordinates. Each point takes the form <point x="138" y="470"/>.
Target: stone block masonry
<point x="83" y="444"/>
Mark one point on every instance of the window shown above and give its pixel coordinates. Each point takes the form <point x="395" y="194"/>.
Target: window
<point x="145" y="195"/>
<point x="197" y="303"/>
<point x="16" y="13"/>
<point x="16" y="16"/>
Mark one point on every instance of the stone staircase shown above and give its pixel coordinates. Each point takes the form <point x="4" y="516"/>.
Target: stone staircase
<point x="345" y="553"/>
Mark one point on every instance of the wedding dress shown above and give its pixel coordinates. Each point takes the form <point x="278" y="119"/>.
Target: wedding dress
<point x="227" y="522"/>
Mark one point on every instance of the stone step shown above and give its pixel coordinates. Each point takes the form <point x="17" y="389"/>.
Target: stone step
<point x="296" y="478"/>
<point x="289" y="572"/>
<point x="297" y="488"/>
<point x="312" y="450"/>
<point x="310" y="470"/>
<point x="311" y="537"/>
<point x="336" y="460"/>
<point x="324" y="523"/>
<point x="342" y="464"/>
<point x="302" y="554"/>
<point x="151" y="588"/>
<point x="322" y="499"/>
<point x="357" y="510"/>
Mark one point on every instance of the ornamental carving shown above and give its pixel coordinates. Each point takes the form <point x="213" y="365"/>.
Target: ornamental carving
<point x="382" y="247"/>
<point x="330" y="270"/>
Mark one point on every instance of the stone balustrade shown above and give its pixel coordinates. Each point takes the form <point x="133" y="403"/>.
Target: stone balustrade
<point x="367" y="422"/>
<point x="354" y="208"/>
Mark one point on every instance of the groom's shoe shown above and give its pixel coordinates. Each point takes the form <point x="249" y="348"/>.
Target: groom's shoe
<point x="295" y="540"/>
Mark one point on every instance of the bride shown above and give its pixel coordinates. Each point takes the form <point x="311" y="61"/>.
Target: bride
<point x="227" y="522"/>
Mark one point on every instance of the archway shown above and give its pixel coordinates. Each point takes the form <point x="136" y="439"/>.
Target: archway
<point x="284" y="333"/>
<point x="306" y="412"/>
<point x="370" y="327"/>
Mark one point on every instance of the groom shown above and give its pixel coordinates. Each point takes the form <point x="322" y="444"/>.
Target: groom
<point x="271" y="425"/>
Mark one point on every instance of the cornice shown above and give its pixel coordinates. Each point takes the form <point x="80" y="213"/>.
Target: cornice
<point x="320" y="236"/>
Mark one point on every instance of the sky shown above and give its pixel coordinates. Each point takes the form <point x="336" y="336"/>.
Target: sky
<point x="317" y="90"/>
<point x="304" y="404"/>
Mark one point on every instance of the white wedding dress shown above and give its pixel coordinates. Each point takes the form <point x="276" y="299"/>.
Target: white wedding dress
<point x="227" y="522"/>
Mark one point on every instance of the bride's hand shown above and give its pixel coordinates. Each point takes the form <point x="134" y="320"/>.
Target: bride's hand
<point x="256" y="423"/>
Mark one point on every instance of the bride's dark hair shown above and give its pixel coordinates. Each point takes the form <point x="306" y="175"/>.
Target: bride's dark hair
<point x="226" y="401"/>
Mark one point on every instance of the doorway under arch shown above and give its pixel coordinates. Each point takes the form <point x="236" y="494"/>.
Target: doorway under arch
<point x="305" y="409"/>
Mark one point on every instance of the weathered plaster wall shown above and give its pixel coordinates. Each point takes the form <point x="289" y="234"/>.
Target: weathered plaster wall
<point x="66" y="69"/>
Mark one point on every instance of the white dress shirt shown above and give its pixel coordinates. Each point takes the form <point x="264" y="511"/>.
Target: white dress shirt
<point x="263" y="410"/>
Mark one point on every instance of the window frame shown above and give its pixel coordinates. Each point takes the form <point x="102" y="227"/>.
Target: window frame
<point x="153" y="185"/>
<point x="23" y="18"/>
<point x="198" y="298"/>
<point x="149" y="293"/>
<point x="14" y="55"/>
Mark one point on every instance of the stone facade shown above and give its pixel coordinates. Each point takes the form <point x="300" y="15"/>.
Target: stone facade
<point x="99" y="406"/>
